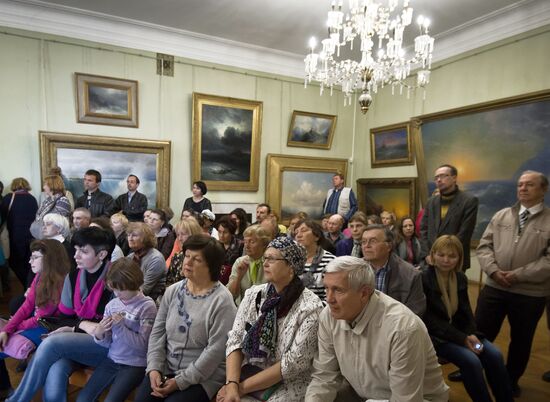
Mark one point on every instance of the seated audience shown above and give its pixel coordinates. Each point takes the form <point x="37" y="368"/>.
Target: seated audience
<point x="324" y="222"/>
<point x="394" y="276"/>
<point x="232" y="246"/>
<point x="50" y="264"/>
<point x="408" y="247"/>
<point x="269" y="223"/>
<point x="124" y="331"/>
<point x="184" y="228"/>
<point x="55" y="202"/>
<point x="248" y="269"/>
<point x="262" y="211"/>
<point x="373" y="342"/>
<point x="292" y="223"/>
<point x="374" y="220"/>
<point x="119" y="224"/>
<point x="274" y="337"/>
<point x="142" y="242"/>
<point x="165" y="236"/>
<point x="388" y="219"/>
<point x="207" y="223"/>
<point x="352" y="246"/>
<point x="198" y="202"/>
<point x="131" y="204"/>
<point x="56" y="227"/>
<point x="238" y="215"/>
<point x="334" y="229"/>
<point x="452" y="327"/>
<point x="310" y="235"/>
<point x="83" y="300"/>
<point x="185" y="360"/>
<point x="81" y="218"/>
<point x="189" y="213"/>
<point x="146" y="215"/>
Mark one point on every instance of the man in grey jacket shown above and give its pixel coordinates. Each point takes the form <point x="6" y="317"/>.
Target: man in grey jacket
<point x="514" y="252"/>
<point x="394" y="276"/>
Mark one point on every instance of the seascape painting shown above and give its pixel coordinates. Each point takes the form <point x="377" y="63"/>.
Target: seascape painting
<point x="311" y="130"/>
<point x="114" y="167"/>
<point x="304" y="191"/>
<point x="490" y="149"/>
<point x="108" y="101"/>
<point x="391" y="146"/>
<point x="226" y="143"/>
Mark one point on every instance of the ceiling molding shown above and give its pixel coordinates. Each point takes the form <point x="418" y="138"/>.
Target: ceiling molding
<point x="34" y="15"/>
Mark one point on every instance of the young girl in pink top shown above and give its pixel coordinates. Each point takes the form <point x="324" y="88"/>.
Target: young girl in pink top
<point x="50" y="263"/>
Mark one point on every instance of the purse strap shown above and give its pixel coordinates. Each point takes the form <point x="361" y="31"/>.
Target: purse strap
<point x="11" y="201"/>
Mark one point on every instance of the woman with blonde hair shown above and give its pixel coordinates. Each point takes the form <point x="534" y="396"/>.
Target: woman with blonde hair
<point x="142" y="242"/>
<point x="55" y="202"/>
<point x="452" y="328"/>
<point x="18" y="210"/>
<point x="184" y="228"/>
<point x="119" y="224"/>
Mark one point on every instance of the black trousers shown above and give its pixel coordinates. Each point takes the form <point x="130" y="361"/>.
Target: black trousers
<point x="523" y="312"/>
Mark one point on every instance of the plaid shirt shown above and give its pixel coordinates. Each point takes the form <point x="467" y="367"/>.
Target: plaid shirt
<point x="380" y="277"/>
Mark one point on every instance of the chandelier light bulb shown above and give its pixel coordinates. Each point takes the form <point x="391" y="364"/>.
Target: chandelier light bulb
<point x="312" y="43"/>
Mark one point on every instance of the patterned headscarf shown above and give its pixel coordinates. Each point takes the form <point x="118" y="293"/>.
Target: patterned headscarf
<point x="293" y="253"/>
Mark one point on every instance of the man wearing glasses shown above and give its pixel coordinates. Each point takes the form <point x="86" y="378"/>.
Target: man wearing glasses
<point x="393" y="275"/>
<point x="451" y="212"/>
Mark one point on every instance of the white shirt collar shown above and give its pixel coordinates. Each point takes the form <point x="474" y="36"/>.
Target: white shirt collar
<point x="533" y="210"/>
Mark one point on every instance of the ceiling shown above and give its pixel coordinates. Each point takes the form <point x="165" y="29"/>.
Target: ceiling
<point x="274" y="33"/>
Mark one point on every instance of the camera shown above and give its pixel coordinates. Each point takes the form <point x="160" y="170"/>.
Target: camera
<point x="478" y="346"/>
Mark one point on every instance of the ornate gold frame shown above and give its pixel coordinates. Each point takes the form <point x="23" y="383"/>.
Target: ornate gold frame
<point x="50" y="142"/>
<point x="277" y="164"/>
<point x="256" y="107"/>
<point x="409" y="160"/>
<point x="363" y="186"/>
<point x="85" y="115"/>
<point x="304" y="144"/>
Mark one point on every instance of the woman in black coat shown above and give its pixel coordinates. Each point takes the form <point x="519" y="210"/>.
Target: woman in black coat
<point x="19" y="210"/>
<point x="452" y="328"/>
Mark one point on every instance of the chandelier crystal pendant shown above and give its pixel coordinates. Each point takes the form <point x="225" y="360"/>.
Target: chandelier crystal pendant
<point x="378" y="28"/>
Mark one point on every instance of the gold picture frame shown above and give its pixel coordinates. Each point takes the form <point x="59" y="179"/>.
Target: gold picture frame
<point x="300" y="183"/>
<point x="397" y="195"/>
<point x="226" y="142"/>
<point x="391" y="146"/>
<point x="311" y="130"/>
<point x="115" y="158"/>
<point x="106" y="100"/>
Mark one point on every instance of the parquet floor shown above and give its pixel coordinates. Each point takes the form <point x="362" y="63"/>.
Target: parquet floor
<point x="534" y="389"/>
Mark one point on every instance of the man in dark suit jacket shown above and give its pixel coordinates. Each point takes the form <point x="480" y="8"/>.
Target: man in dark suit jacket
<point x="133" y="203"/>
<point x="452" y="212"/>
<point x="95" y="200"/>
<point x="393" y="275"/>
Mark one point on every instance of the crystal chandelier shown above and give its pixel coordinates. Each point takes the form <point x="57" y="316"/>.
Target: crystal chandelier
<point x="378" y="27"/>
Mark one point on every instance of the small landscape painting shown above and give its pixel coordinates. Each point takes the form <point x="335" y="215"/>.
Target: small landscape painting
<point x="391" y="146"/>
<point x="311" y="130"/>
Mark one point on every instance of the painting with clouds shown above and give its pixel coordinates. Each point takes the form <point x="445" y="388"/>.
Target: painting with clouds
<point x="114" y="167"/>
<point x="227" y="141"/>
<point x="108" y="101"/>
<point x="304" y="191"/>
<point x="311" y="130"/>
<point x="490" y="148"/>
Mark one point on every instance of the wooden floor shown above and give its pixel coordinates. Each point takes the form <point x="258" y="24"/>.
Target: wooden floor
<point x="534" y="389"/>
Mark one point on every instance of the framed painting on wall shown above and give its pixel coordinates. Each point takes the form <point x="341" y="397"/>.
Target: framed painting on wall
<point x="397" y="195"/>
<point x="299" y="183"/>
<point x="391" y="146"/>
<point x="115" y="158"/>
<point x="490" y="144"/>
<point x="105" y="100"/>
<point x="226" y="142"/>
<point x="311" y="130"/>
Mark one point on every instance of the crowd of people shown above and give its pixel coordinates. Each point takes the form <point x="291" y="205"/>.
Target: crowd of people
<point x="351" y="307"/>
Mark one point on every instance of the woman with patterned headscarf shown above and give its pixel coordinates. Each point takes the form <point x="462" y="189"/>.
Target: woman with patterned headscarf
<point x="274" y="338"/>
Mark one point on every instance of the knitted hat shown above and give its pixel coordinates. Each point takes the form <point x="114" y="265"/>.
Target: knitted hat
<point x="206" y="213"/>
<point x="292" y="252"/>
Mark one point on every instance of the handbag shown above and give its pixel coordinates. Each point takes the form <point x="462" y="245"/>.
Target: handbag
<point x="248" y="370"/>
<point x="17" y="346"/>
<point x="4" y="234"/>
<point x="53" y="323"/>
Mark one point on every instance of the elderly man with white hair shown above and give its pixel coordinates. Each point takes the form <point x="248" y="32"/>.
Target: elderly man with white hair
<point x="378" y="345"/>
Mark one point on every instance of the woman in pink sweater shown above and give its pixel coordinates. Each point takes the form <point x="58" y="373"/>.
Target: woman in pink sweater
<point x="50" y="263"/>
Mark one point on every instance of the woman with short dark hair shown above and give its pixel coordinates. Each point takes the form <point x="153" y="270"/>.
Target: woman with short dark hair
<point x="233" y="247"/>
<point x="186" y="356"/>
<point x="158" y="222"/>
<point x="198" y="202"/>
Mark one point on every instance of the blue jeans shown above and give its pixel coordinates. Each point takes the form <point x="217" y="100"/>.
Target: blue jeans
<point x="54" y="361"/>
<point x="122" y="377"/>
<point x="471" y="367"/>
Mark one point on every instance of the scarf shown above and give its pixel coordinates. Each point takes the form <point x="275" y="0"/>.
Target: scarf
<point x="253" y="270"/>
<point x="47" y="205"/>
<point x="449" y="292"/>
<point x="139" y="254"/>
<point x="260" y="340"/>
<point x="83" y="302"/>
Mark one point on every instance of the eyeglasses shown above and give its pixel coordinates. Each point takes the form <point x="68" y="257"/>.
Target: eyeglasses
<point x="441" y="176"/>
<point x="372" y="241"/>
<point x="269" y="259"/>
